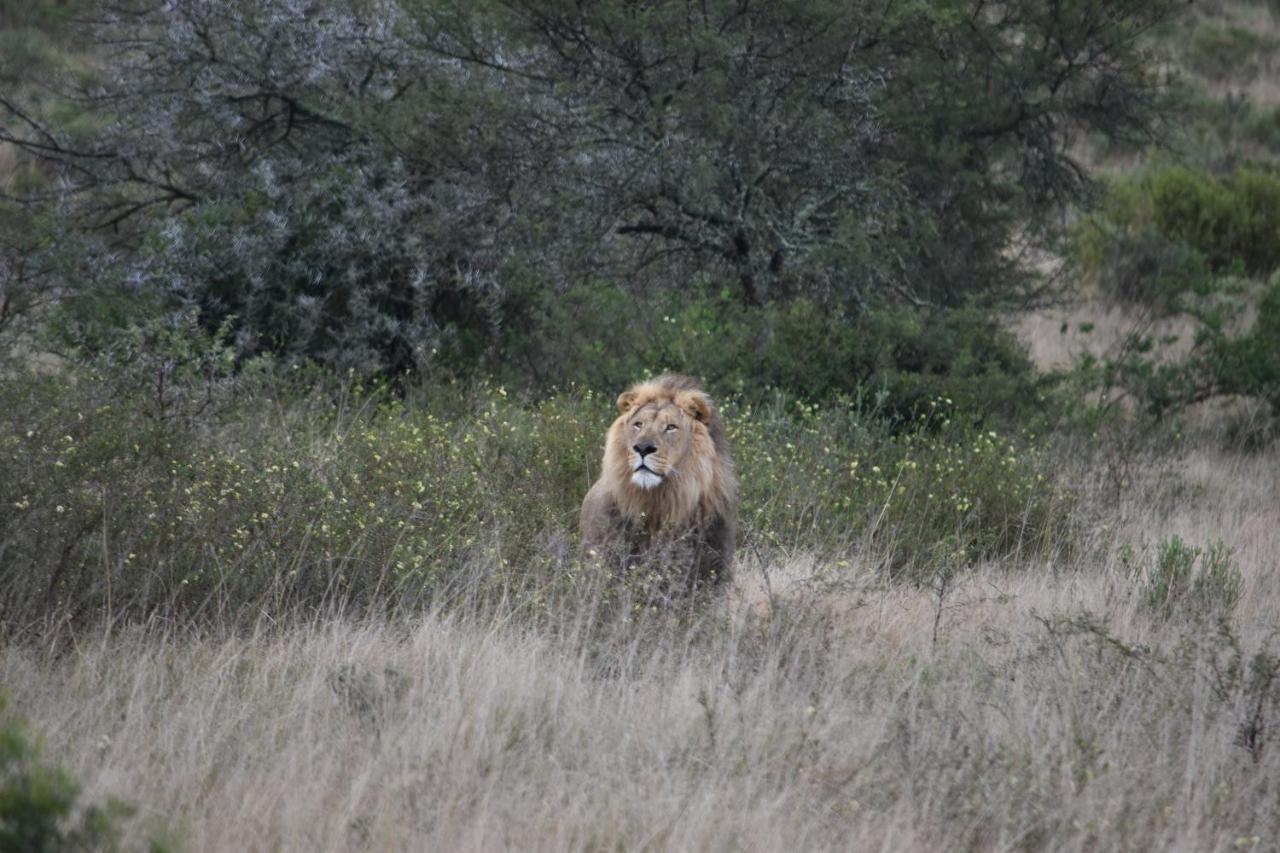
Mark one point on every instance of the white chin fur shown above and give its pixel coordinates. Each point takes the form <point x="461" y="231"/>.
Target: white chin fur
<point x="645" y="479"/>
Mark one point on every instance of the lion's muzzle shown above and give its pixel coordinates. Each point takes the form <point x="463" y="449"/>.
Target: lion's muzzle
<point x="642" y="475"/>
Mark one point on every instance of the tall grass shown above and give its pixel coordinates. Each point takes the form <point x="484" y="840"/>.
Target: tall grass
<point x="819" y="722"/>
<point x="270" y="497"/>
<point x="930" y="643"/>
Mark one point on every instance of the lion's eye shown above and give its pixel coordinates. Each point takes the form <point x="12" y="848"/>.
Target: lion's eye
<point x="637" y="424"/>
<point x="670" y="427"/>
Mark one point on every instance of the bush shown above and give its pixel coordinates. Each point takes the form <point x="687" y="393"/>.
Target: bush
<point x="1221" y="132"/>
<point x="1143" y="267"/>
<point x="1224" y="359"/>
<point x="894" y="358"/>
<point x="279" y="498"/>
<point x="1174" y="584"/>
<point x="1248" y="363"/>
<point x="945" y="490"/>
<point x="281" y="502"/>
<point x="1263" y="127"/>
<point x="40" y="810"/>
<point x="1179" y="242"/>
<point x="369" y="222"/>
<point x="1231" y="220"/>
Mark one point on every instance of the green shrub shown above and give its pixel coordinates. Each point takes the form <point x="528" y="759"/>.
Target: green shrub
<point x="1229" y="220"/>
<point x="946" y="489"/>
<point x="1180" y="242"/>
<point x="1248" y="363"/>
<point x="899" y="357"/>
<point x="1144" y="267"/>
<point x="1263" y="127"/>
<point x="375" y="227"/>
<point x="1217" y="132"/>
<point x="40" y="806"/>
<point x="278" y="497"/>
<point x="1174" y="584"/>
<point x="1226" y="357"/>
<point x="40" y="14"/>
<point x="273" y="501"/>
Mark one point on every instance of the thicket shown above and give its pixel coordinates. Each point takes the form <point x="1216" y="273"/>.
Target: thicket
<point x="895" y="359"/>
<point x="1229" y="220"/>
<point x="419" y="185"/>
<point x="341" y="298"/>
<point x="292" y="494"/>
<point x="1187" y="244"/>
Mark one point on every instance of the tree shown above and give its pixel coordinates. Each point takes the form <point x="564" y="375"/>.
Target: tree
<point x="368" y="183"/>
<point x="860" y="150"/>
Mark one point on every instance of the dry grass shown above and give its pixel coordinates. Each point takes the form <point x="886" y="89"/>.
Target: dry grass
<point x="803" y="713"/>
<point x="1012" y="708"/>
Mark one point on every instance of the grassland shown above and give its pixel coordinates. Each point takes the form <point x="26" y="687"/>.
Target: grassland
<point x="1030" y="702"/>
<point x="297" y="614"/>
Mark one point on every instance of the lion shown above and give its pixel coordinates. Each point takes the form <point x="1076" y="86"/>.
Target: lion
<point x="667" y="495"/>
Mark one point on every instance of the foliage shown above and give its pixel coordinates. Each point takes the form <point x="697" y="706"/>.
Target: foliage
<point x="1234" y="219"/>
<point x="1263" y="125"/>
<point x="1142" y="267"/>
<point x="34" y="44"/>
<point x="1221" y="132"/>
<point x="1223" y="358"/>
<point x="944" y="491"/>
<point x="282" y="495"/>
<point x="1187" y="580"/>
<point x="1177" y="244"/>
<point x="37" y="14"/>
<point x="895" y="360"/>
<point x="40" y="806"/>
<point x="378" y="185"/>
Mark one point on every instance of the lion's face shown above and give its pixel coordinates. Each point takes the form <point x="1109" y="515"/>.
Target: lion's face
<point x="666" y="478"/>
<point x="659" y="436"/>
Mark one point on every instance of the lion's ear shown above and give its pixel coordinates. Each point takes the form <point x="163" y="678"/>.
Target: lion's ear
<point x="625" y="401"/>
<point x="696" y="404"/>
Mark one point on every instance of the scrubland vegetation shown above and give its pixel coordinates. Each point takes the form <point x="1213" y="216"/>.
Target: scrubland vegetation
<point x="311" y="327"/>
<point x="1113" y="690"/>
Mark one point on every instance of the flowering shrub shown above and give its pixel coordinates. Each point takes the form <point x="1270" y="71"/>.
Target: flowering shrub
<point x="285" y="498"/>
<point x="944" y="489"/>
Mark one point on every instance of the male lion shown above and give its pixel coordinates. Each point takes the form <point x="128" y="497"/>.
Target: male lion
<point x="667" y="495"/>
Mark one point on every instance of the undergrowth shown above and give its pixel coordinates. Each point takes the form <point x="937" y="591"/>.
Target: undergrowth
<point x="271" y="493"/>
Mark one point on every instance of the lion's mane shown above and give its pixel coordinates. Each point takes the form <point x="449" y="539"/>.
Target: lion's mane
<point x="688" y="521"/>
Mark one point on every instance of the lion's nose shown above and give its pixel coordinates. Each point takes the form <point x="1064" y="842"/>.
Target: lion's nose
<point x="644" y="449"/>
